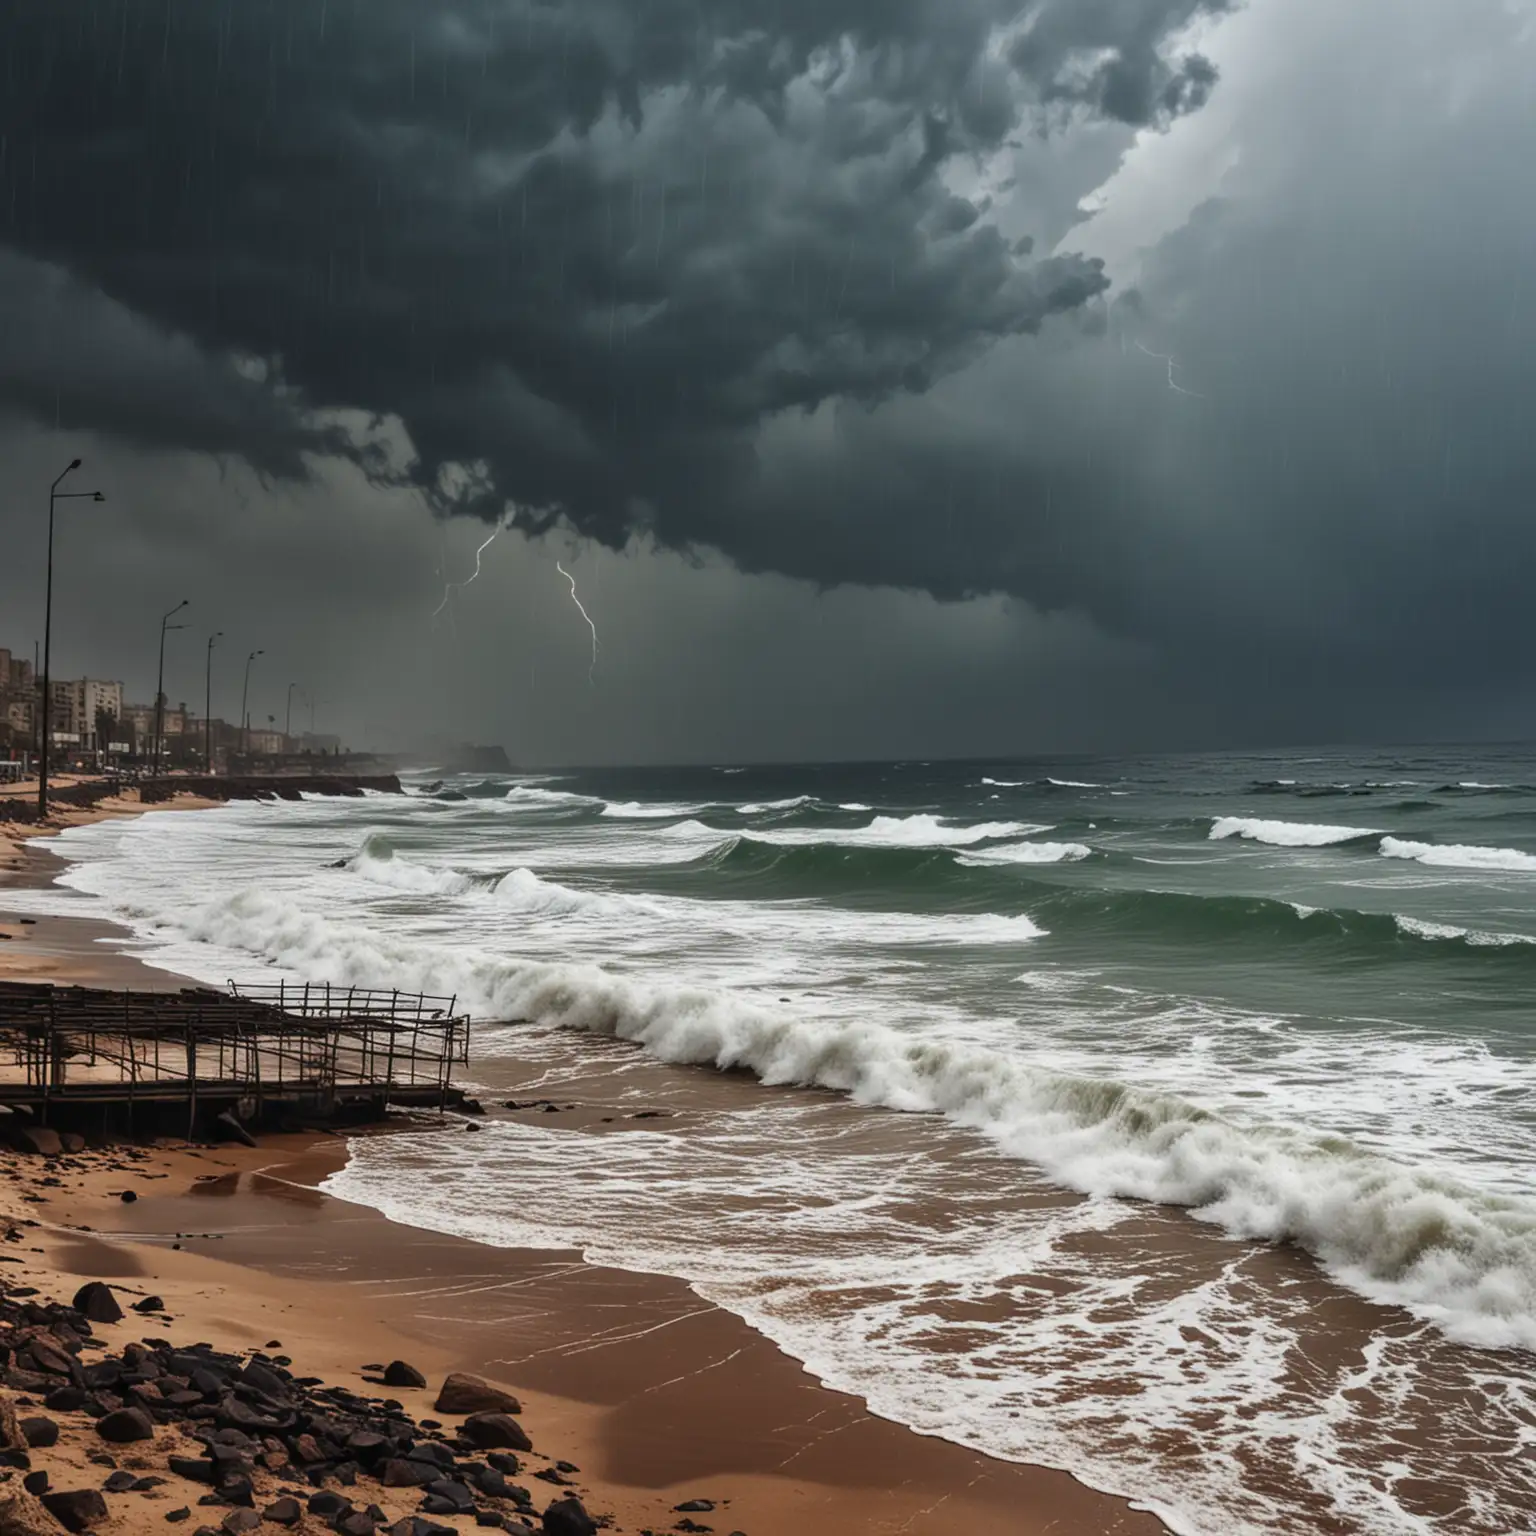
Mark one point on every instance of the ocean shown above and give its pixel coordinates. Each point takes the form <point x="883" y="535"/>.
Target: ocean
<point x="1165" y="1120"/>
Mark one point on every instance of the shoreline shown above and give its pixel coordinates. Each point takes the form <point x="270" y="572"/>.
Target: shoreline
<point x="692" y="1402"/>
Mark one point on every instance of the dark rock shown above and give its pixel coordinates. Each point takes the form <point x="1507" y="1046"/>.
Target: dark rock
<point x="488" y="1517"/>
<point x="207" y="1383"/>
<point x="120" y="1482"/>
<point x="127" y="1197"/>
<point x="495" y="1431"/>
<point x="436" y="1504"/>
<point x="457" y="1494"/>
<point x="125" y="1425"/>
<point x="193" y="1468"/>
<point x="40" y="1433"/>
<point x="149" y="1304"/>
<point x="238" y="1521"/>
<point x="356" y="1524"/>
<point x="430" y="1450"/>
<point x="553" y="1475"/>
<point x="505" y="1463"/>
<point x="284" y="1511"/>
<point x="98" y="1303"/>
<point x="367" y="1447"/>
<point x="398" y="1374"/>
<point x="104" y="1373"/>
<point x="462" y="1393"/>
<point x="72" y="1142"/>
<point x="685" y="1524"/>
<point x="38" y="1140"/>
<point x="76" y="1510"/>
<point x="492" y="1484"/>
<point x="35" y="1482"/>
<point x="237" y="1490"/>
<point x="694" y="1507"/>
<point x="328" y="1504"/>
<point x="568" y="1517"/>
<point x="267" y="1382"/>
<point x="176" y="1516"/>
<point x="54" y="1360"/>
<point x="403" y="1473"/>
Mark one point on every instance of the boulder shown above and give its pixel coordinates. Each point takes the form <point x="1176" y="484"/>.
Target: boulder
<point x="398" y="1374"/>
<point x="21" y="1514"/>
<point x="39" y="1140"/>
<point x="72" y="1142"/>
<point x="568" y="1517"/>
<point x="149" y="1304"/>
<point x="284" y="1511"/>
<point x="193" y="1468"/>
<point x="126" y="1425"/>
<point x="77" y="1509"/>
<point x="356" y="1524"/>
<point x="462" y="1393"/>
<point x="239" y="1521"/>
<point x="119" y="1482"/>
<point x="98" y="1303"/>
<point x="176" y="1516"/>
<point x="401" y="1472"/>
<point x="495" y="1431"/>
<point x="694" y="1507"/>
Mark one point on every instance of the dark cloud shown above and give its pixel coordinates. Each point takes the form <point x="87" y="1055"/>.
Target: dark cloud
<point x="583" y="252"/>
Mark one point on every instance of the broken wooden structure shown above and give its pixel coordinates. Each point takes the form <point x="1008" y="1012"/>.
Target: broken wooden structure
<point x="174" y="1062"/>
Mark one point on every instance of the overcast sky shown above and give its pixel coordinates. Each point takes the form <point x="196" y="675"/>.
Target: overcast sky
<point x="894" y="377"/>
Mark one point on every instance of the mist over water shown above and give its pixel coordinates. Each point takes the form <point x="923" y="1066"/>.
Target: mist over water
<point x="1286" y="1000"/>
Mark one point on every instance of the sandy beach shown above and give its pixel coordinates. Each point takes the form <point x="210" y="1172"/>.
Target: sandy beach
<point x="657" y="1397"/>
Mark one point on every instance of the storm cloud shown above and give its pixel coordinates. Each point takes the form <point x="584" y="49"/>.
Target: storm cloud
<point x="582" y="252"/>
<point x="838" y="336"/>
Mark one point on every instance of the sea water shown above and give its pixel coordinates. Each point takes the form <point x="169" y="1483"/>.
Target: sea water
<point x="1175" y="1122"/>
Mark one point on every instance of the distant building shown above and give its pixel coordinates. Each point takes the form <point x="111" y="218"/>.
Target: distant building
<point x="78" y="707"/>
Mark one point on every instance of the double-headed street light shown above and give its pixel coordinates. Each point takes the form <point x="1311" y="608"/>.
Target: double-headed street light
<point x="55" y="495"/>
<point x="245" y="694"/>
<point x="165" y="623"/>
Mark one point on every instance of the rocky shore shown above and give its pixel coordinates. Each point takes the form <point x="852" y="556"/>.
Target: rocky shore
<point x="111" y="1420"/>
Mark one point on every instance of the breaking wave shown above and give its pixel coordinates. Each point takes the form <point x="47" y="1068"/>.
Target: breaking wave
<point x="1286" y="834"/>
<point x="1459" y="856"/>
<point x="1458" y="1257"/>
<point x="531" y="795"/>
<point x="919" y="831"/>
<point x="1027" y="853"/>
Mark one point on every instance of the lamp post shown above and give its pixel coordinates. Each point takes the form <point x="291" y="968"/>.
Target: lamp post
<point x="208" y="705"/>
<point x="55" y="495"/>
<point x="245" y="693"/>
<point x="288" y="720"/>
<point x="165" y="623"/>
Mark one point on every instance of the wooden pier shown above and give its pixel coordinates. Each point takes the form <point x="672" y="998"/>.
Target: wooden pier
<point x="175" y="1062"/>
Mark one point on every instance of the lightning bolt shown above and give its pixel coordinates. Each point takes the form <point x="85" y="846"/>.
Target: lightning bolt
<point x="1173" y="364"/>
<point x="592" y="670"/>
<point x="458" y="586"/>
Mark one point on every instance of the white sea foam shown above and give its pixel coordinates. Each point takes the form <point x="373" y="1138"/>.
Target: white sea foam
<point x="531" y="796"/>
<point x="1004" y="783"/>
<point x="1073" y="784"/>
<point x="642" y="810"/>
<point x="854" y="805"/>
<point x="919" y="831"/>
<point x="1461" y="1258"/>
<point x="1459" y="856"/>
<point x="792" y="804"/>
<point x="378" y="862"/>
<point x="1027" y="853"/>
<point x="1418" y="928"/>
<point x="1285" y="834"/>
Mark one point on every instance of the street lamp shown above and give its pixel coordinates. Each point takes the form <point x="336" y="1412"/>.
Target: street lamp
<point x="165" y="623"/>
<point x="245" y="693"/>
<point x="288" y="721"/>
<point x="208" y="705"/>
<point x="54" y="495"/>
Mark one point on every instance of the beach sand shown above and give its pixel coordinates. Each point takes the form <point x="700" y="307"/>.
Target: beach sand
<point x="657" y="1396"/>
